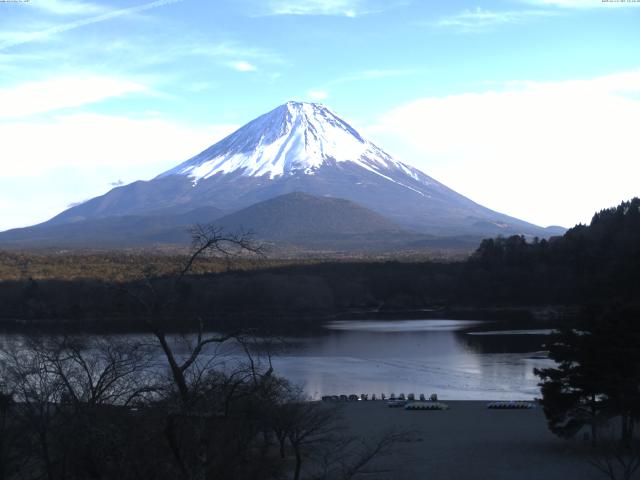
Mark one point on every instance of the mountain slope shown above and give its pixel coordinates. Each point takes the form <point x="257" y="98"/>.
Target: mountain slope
<point x="296" y="216"/>
<point x="300" y="147"/>
<point x="111" y="232"/>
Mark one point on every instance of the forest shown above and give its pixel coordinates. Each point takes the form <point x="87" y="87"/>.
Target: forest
<point x="590" y="267"/>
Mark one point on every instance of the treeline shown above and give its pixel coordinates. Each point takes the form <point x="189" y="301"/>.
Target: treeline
<point x="253" y="296"/>
<point x="588" y="266"/>
<point x="120" y="266"/>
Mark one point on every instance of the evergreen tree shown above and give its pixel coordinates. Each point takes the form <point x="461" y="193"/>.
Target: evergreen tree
<point x="597" y="376"/>
<point x="572" y="393"/>
<point x="618" y="334"/>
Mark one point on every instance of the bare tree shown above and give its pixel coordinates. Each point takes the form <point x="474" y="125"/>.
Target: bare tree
<point x="316" y="434"/>
<point x="38" y="394"/>
<point x="352" y="457"/>
<point x="11" y="437"/>
<point x="191" y="429"/>
<point x="310" y="427"/>
<point x="616" y="460"/>
<point x="206" y="240"/>
<point x="6" y="404"/>
<point x="99" y="371"/>
<point x="210" y="239"/>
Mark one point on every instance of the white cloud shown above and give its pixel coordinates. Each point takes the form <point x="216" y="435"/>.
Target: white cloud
<point x="318" y="94"/>
<point x="12" y="39"/>
<point x="375" y="75"/>
<point x="547" y="152"/>
<point x="243" y="66"/>
<point x="566" y="3"/>
<point x="199" y="47"/>
<point x="67" y="7"/>
<point x="386" y="73"/>
<point x="62" y="92"/>
<point x="48" y="165"/>
<point x="480" y="20"/>
<point x="199" y="87"/>
<point x="92" y="140"/>
<point x="343" y="8"/>
<point x="314" y="7"/>
<point x="582" y="3"/>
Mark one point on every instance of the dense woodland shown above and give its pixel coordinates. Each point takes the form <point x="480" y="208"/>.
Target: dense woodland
<point x="590" y="266"/>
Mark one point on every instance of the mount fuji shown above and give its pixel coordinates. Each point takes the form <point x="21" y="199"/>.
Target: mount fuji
<point x="296" y="148"/>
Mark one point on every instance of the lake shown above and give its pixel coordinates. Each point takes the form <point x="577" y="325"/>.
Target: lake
<point x="456" y="359"/>
<point x="448" y="357"/>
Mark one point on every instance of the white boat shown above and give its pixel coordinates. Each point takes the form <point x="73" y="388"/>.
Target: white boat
<point x="393" y="402"/>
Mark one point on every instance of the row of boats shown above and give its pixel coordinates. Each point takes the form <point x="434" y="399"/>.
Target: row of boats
<point x="422" y="403"/>
<point x="512" y="404"/>
<point x="392" y="398"/>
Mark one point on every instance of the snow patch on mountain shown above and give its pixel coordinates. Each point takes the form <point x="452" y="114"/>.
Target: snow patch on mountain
<point x="295" y="137"/>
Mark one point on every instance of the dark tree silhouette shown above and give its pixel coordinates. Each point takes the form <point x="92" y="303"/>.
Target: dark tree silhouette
<point x="597" y="375"/>
<point x="572" y="393"/>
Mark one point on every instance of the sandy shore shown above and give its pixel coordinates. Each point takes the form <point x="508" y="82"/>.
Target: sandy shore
<point x="469" y="441"/>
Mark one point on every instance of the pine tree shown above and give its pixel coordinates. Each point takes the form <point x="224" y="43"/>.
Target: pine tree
<point x="597" y="376"/>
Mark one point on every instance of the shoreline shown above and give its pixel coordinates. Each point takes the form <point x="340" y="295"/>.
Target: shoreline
<point x="294" y="323"/>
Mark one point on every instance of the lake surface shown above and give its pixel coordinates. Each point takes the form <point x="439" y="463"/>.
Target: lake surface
<point x="417" y="356"/>
<point x="458" y="360"/>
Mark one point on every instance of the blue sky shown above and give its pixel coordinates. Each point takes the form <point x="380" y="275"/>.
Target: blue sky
<point x="529" y="107"/>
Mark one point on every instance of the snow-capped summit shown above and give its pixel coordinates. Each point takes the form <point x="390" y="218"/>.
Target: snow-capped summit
<point x="294" y="137"/>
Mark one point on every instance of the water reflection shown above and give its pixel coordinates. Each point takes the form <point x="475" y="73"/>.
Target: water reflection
<point x="419" y="356"/>
<point x="412" y="356"/>
<point x="503" y="343"/>
<point x="401" y="325"/>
